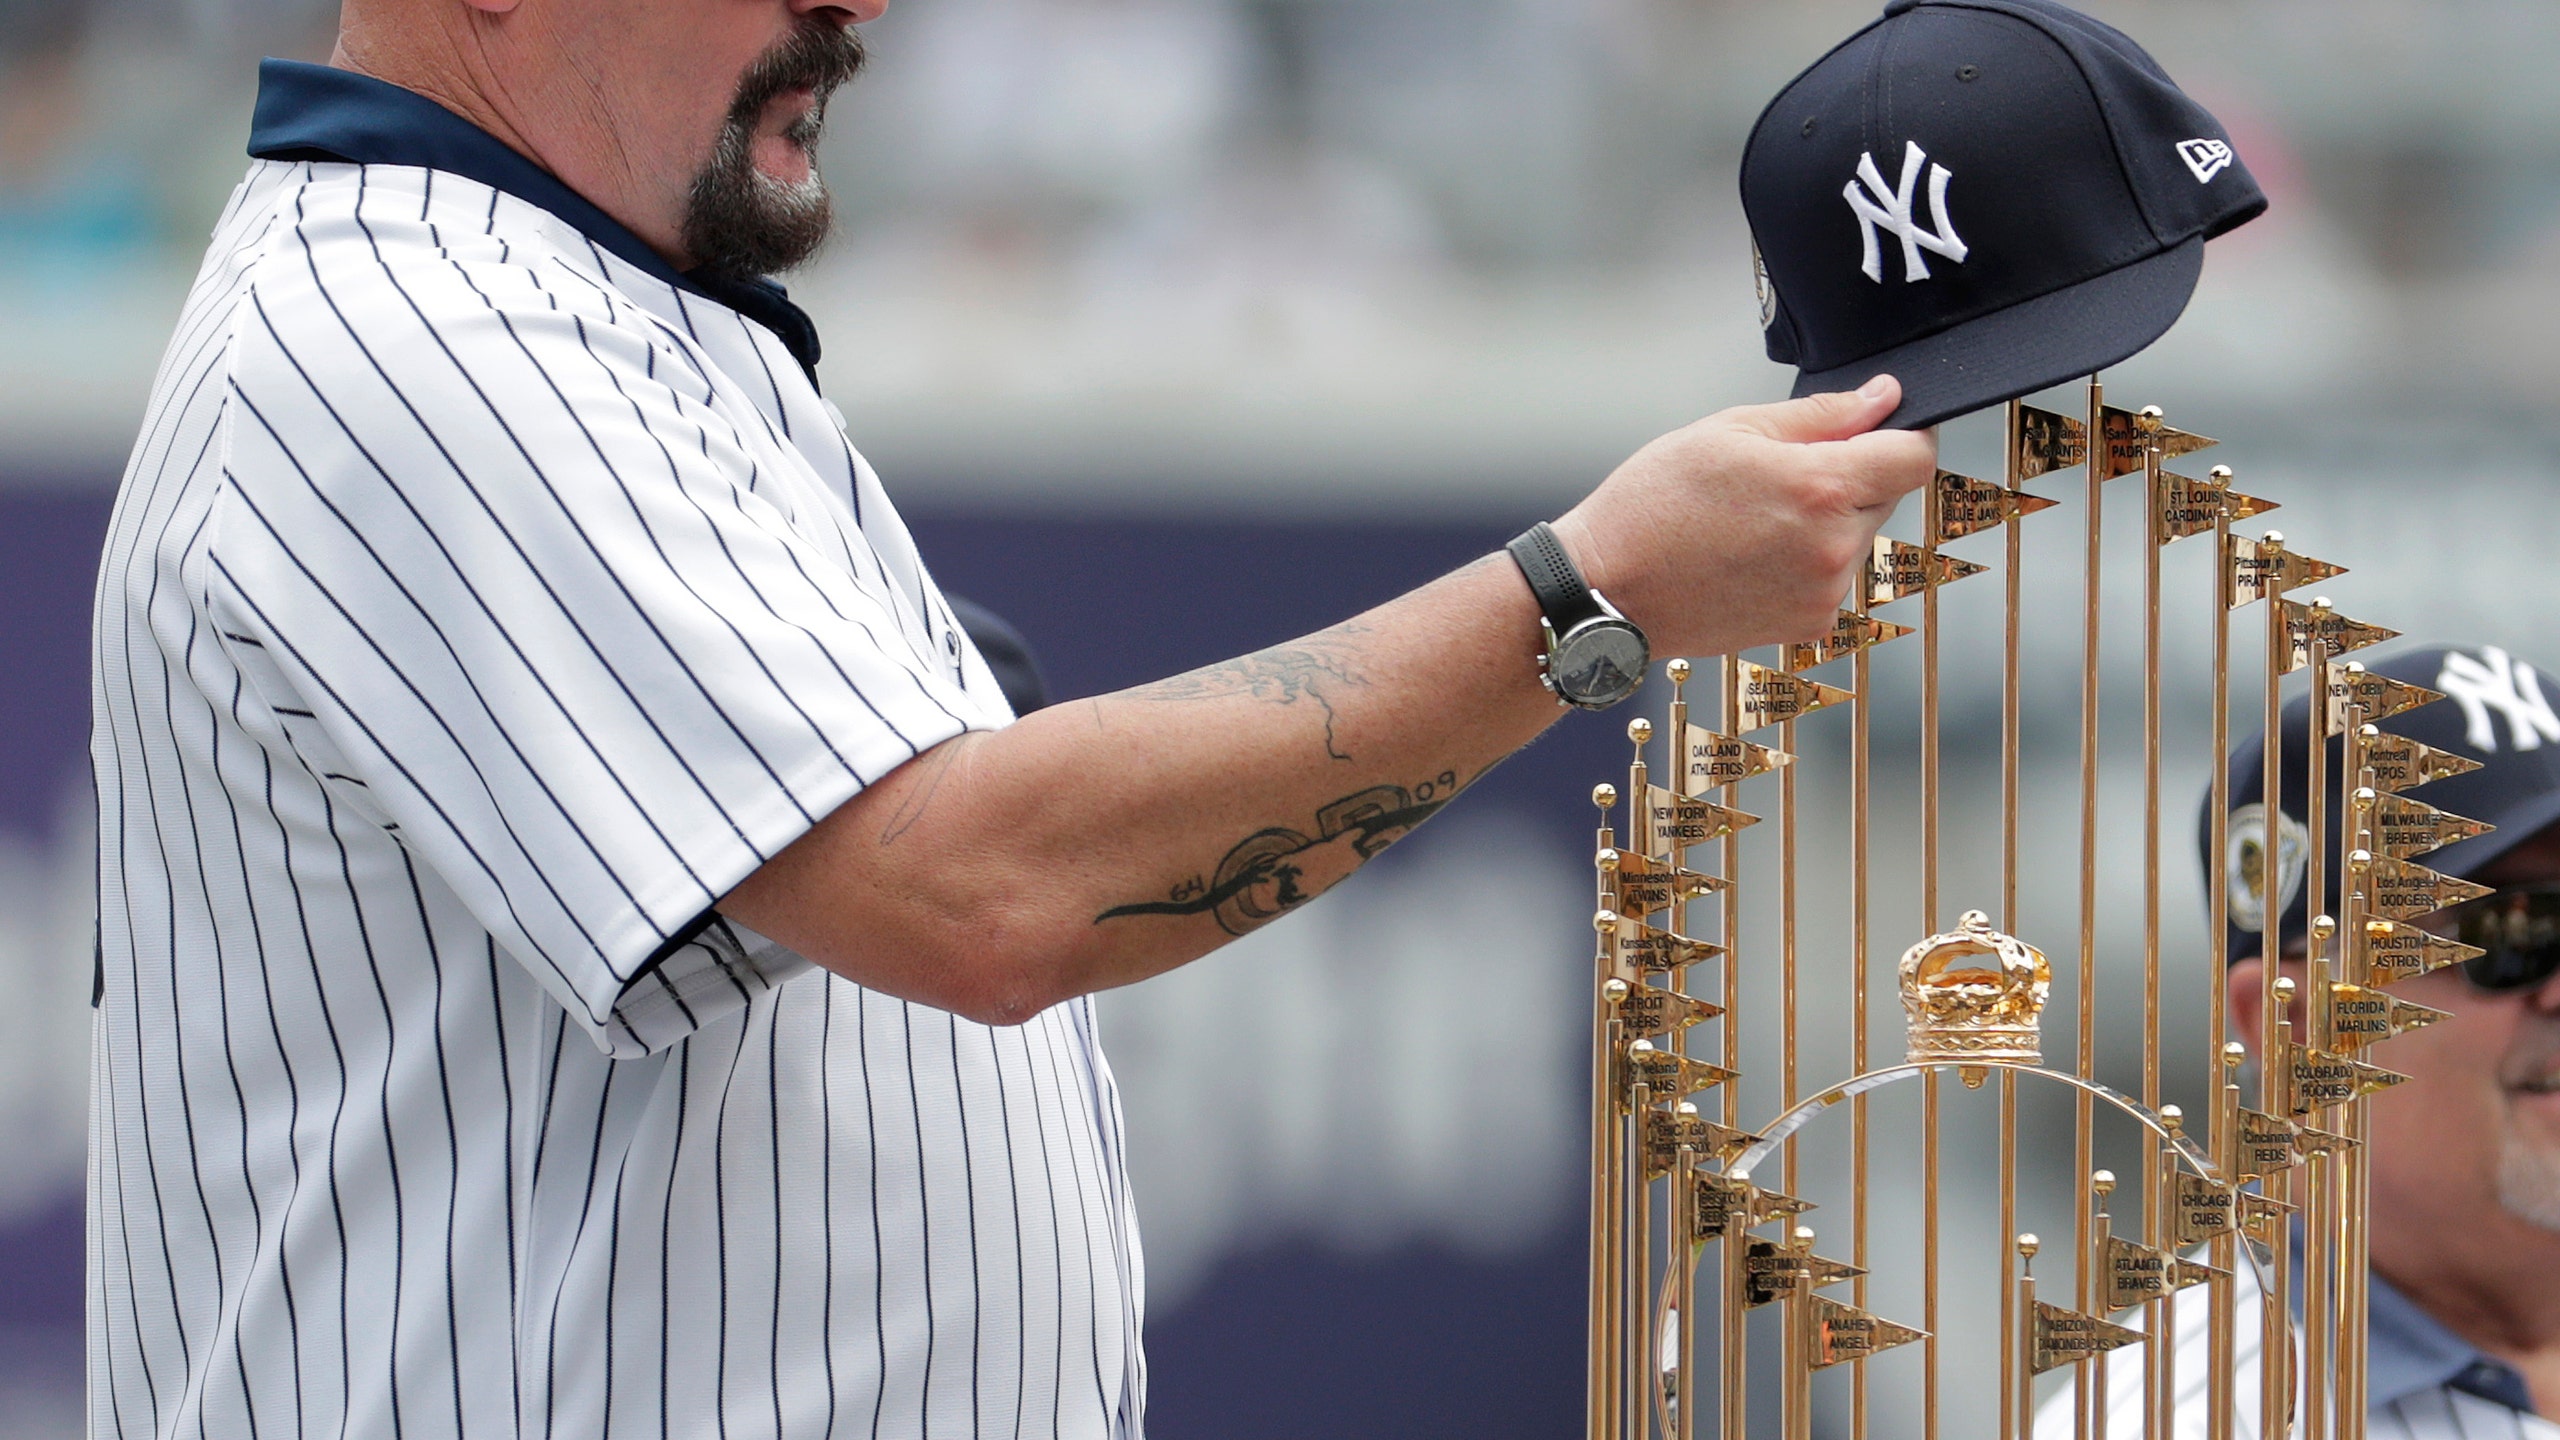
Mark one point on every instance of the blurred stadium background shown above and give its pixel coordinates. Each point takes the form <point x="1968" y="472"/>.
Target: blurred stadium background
<point x="1182" y="325"/>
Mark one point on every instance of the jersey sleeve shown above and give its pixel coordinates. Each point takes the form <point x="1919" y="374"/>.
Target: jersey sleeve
<point x="530" y="572"/>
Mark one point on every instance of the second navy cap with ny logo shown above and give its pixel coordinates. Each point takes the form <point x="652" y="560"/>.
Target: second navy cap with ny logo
<point x="1983" y="198"/>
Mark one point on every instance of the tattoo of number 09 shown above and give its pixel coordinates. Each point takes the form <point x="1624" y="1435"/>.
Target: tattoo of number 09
<point x="1272" y="872"/>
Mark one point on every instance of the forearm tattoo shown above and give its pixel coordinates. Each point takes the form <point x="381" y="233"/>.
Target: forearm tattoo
<point x="1315" y="668"/>
<point x="1272" y="872"/>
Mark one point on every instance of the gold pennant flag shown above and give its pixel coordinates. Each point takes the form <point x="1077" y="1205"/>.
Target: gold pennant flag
<point x="1842" y="1333"/>
<point x="2401" y="828"/>
<point x="2405" y="890"/>
<point x="1898" y="569"/>
<point x="2264" y="1217"/>
<point x="2130" y="437"/>
<point x="2317" y="1079"/>
<point x="2304" y="624"/>
<point x="2394" y="951"/>
<point x="2360" y="1015"/>
<point x="2316" y="1141"/>
<point x="1674" y="822"/>
<point x="2187" y="506"/>
<point x="2067" y="1337"/>
<point x="2266" y="1144"/>
<point x="2046" y="441"/>
<point x="2245" y="507"/>
<point x="1645" y="947"/>
<point x="2203" y="1210"/>
<point x="2260" y="568"/>
<point x="1641" y="886"/>
<point x="1967" y="506"/>
<point x="2190" y="506"/>
<point x="2399" y="763"/>
<point x="1724" y="1205"/>
<point x="1666" y="1132"/>
<point x="1667" y="1075"/>
<point x="1764" y="696"/>
<point x="1850" y="633"/>
<point x="1717" y="760"/>
<point x="2358" y="696"/>
<point x="1651" y="1012"/>
<point x="1770" y="1271"/>
<point x="2136" y="1273"/>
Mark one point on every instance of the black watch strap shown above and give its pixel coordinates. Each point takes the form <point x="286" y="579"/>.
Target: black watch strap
<point x="1562" y="596"/>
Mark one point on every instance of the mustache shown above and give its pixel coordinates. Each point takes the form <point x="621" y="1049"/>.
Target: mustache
<point x="819" y="56"/>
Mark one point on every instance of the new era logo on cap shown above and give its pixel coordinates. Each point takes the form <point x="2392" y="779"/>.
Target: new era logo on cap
<point x="2044" y="183"/>
<point x="2205" y="157"/>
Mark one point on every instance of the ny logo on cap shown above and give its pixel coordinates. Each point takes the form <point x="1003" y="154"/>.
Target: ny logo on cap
<point x="2205" y="157"/>
<point x="1877" y="207"/>
<point x="2497" y="681"/>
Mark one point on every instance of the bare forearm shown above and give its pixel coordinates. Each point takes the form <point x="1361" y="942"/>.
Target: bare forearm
<point x="1103" y="841"/>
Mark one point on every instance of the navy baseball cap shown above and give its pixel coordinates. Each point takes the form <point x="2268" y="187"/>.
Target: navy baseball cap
<point x="1983" y="198"/>
<point x="2499" y="712"/>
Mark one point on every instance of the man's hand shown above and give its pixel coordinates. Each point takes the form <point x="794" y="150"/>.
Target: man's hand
<point x="1747" y="527"/>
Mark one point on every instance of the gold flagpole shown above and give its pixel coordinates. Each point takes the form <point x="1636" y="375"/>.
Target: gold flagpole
<point x="1600" y="1388"/>
<point x="1860" y="836"/>
<point x="1932" y="523"/>
<point x="2357" y="1177"/>
<point x="2083" y="1152"/>
<point x="2155" y="1400"/>
<point x="1637" y="1361"/>
<point x="1787" y="1080"/>
<point x="2016" y="1418"/>
<point x="2320" y="1251"/>
<point x="2221" y="1297"/>
<point x="1684" y="1332"/>
<point x="2276" y="1348"/>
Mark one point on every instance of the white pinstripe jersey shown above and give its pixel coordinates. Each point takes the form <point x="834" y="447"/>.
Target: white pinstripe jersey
<point x="478" y="608"/>
<point x="2414" y="1396"/>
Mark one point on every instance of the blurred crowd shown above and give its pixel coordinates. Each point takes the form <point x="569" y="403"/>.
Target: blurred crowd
<point x="1402" y="216"/>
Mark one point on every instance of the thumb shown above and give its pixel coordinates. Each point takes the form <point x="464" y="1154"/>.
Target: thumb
<point x="1834" y="416"/>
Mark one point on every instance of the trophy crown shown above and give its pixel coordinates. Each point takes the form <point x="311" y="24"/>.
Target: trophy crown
<point x="1974" y="994"/>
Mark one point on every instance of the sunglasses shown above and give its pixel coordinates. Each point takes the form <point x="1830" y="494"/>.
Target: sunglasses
<point x="2519" y="927"/>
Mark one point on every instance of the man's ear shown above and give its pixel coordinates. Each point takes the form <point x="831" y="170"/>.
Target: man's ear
<point x="2242" y="994"/>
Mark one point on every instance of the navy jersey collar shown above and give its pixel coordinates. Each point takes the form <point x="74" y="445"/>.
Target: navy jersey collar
<point x="2410" y="1350"/>
<point x="315" y="112"/>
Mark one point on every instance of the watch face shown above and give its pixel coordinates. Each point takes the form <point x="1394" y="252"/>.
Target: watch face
<point x="1600" y="662"/>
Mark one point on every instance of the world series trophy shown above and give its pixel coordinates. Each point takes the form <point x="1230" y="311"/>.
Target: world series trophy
<point x="1693" y="1204"/>
<point x="1698" y="1219"/>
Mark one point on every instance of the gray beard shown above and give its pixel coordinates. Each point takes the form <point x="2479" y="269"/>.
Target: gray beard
<point x="741" y="222"/>
<point x="2529" y="1184"/>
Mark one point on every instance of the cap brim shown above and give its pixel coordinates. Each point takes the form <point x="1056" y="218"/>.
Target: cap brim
<point x="2077" y="330"/>
<point x="2516" y="824"/>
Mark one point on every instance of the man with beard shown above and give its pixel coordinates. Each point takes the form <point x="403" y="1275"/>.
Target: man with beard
<point x="2465" y="1333"/>
<point x="585" y="947"/>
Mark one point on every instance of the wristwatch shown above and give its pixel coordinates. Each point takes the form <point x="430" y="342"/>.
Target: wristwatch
<point x="1595" y="657"/>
